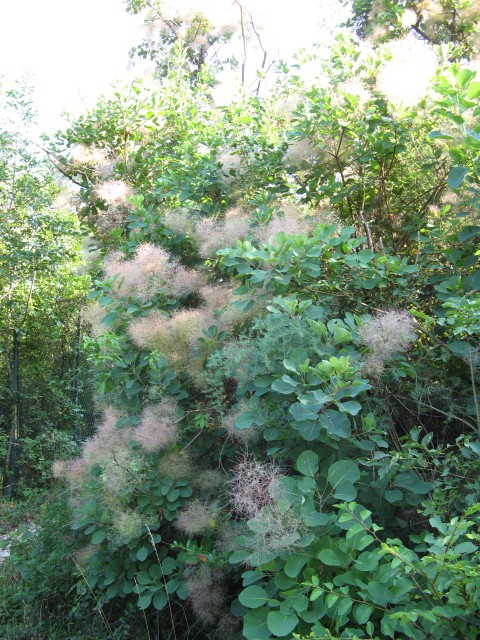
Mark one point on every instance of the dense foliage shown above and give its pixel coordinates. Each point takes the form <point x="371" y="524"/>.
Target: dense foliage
<point x="40" y="293"/>
<point x="284" y="325"/>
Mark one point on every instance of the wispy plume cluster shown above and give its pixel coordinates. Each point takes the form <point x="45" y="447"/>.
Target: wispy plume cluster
<point x="108" y="447"/>
<point x="83" y="157"/>
<point x="253" y="486"/>
<point x="206" y="594"/>
<point x="152" y="269"/>
<point x="73" y="471"/>
<point x="230" y="163"/>
<point x="301" y="152"/>
<point x="93" y="314"/>
<point x="158" y="428"/>
<point x="197" y="517"/>
<point x="209" y="482"/>
<point x="176" y="464"/>
<point x="127" y="525"/>
<point x="243" y="436"/>
<point x="386" y="334"/>
<point x="179" y="222"/>
<point x="173" y="336"/>
<point x="114" y="192"/>
<point x="109" y="440"/>
<point x="273" y="530"/>
<point x="290" y="221"/>
<point x="404" y="79"/>
<point x="213" y="235"/>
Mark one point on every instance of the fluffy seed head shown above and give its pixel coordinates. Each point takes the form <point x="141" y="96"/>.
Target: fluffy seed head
<point x="386" y="334"/>
<point x="114" y="192"/>
<point x="158" y="428"/>
<point x="196" y="518"/>
<point x="213" y="235"/>
<point x="252" y="486"/>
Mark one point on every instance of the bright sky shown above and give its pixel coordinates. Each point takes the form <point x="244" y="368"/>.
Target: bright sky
<point x="75" y="51"/>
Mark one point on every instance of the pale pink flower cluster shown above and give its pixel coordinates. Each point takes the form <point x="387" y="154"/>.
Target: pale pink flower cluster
<point x="238" y="435"/>
<point x="275" y="530"/>
<point x="74" y="471"/>
<point x="406" y="76"/>
<point x="115" y="217"/>
<point x="173" y="336"/>
<point x="158" y="428"/>
<point x="90" y="157"/>
<point x="386" y="334"/>
<point x="114" y="192"/>
<point x="206" y="594"/>
<point x="196" y="518"/>
<point x="108" y="439"/>
<point x="253" y="486"/>
<point x="150" y="271"/>
<point x="179" y="222"/>
<point x="301" y="152"/>
<point x="216" y="297"/>
<point x="108" y="443"/>
<point x="230" y="162"/>
<point x="93" y="315"/>
<point x="213" y="235"/>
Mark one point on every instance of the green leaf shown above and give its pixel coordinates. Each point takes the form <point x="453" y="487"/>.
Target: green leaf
<point x="142" y="554"/>
<point x="342" y="475"/>
<point x="248" y="419"/>
<point x="456" y="176"/>
<point x="159" y="600"/>
<point x="284" y="385"/>
<point x="110" y="318"/>
<point x="294" y="564"/>
<point x="473" y="90"/>
<point x="469" y="232"/>
<point x="255" y="624"/>
<point x="409" y="480"/>
<point x="302" y="413"/>
<point x="335" y="423"/>
<point x="362" y="613"/>
<point x="145" y="600"/>
<point x="307" y="463"/>
<point x="98" y="537"/>
<point x="309" y="430"/>
<point x="331" y="558"/>
<point x="253" y="597"/>
<point x="464" y="76"/>
<point x="281" y="624"/>
<point x="351" y="407"/>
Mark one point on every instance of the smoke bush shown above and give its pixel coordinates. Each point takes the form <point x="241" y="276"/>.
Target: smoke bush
<point x="174" y="337"/>
<point x="252" y="486"/>
<point x="196" y="518"/>
<point x="150" y="271"/>
<point x="273" y="530"/>
<point x="206" y="594"/>
<point x="159" y="426"/>
<point x="214" y="234"/>
<point x="386" y="334"/>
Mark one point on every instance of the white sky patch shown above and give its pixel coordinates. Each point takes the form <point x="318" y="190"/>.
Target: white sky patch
<point x="74" y="52"/>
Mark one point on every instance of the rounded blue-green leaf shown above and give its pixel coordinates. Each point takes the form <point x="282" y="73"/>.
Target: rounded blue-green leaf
<point x="307" y="463"/>
<point x="159" y="600"/>
<point x="295" y="564"/>
<point x="142" y="554"/>
<point x="253" y="597"/>
<point x="255" y="624"/>
<point x="281" y="624"/>
<point x="98" y="537"/>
